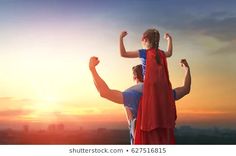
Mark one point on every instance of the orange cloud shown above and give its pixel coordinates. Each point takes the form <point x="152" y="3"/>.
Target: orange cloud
<point x="203" y="112"/>
<point x="14" y="113"/>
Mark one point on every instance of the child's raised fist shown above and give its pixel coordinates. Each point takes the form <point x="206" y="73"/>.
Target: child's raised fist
<point x="167" y="36"/>
<point x="123" y="34"/>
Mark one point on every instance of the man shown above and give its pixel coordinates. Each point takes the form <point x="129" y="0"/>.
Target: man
<point x="131" y="96"/>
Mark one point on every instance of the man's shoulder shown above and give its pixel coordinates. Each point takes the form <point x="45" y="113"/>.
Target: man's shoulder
<point x="135" y="88"/>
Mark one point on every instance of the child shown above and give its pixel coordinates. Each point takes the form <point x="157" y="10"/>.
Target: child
<point x="146" y="45"/>
<point x="157" y="112"/>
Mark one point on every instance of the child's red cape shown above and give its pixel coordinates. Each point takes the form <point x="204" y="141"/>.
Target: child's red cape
<point x="157" y="107"/>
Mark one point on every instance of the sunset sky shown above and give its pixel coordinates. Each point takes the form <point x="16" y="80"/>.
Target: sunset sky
<point x="45" y="47"/>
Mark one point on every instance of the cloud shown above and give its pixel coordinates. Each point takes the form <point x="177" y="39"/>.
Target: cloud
<point x="11" y="102"/>
<point x="220" y="14"/>
<point x="14" y="112"/>
<point x="204" y="112"/>
<point x="220" y="26"/>
<point x="229" y="48"/>
<point x="5" y="98"/>
<point x="221" y="29"/>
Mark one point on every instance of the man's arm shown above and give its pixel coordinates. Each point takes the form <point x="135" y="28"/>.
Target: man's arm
<point x="105" y="92"/>
<point x="123" y="52"/>
<point x="186" y="87"/>
<point x="168" y="53"/>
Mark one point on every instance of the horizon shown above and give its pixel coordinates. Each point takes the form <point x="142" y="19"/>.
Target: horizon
<point x="46" y="127"/>
<point x="108" y="126"/>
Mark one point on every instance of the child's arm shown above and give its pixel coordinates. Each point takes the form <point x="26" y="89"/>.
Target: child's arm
<point x="123" y="52"/>
<point x="105" y="92"/>
<point x="168" y="53"/>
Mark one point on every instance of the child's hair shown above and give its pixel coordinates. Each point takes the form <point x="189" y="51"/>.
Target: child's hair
<point x="138" y="71"/>
<point x="153" y="36"/>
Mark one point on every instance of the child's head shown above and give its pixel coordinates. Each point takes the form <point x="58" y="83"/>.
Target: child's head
<point x="138" y="73"/>
<point x="151" y="38"/>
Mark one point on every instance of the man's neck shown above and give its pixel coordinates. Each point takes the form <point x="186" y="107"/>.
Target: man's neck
<point x="138" y="82"/>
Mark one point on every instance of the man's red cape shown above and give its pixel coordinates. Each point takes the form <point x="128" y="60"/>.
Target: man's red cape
<point x="157" y="108"/>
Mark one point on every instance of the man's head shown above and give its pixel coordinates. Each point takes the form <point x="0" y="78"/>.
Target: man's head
<point x="138" y="73"/>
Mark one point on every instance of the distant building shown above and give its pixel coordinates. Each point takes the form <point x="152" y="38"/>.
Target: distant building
<point x="56" y="127"/>
<point x="186" y="128"/>
<point x="60" y="127"/>
<point x="101" y="131"/>
<point x="51" y="128"/>
<point x="26" y="128"/>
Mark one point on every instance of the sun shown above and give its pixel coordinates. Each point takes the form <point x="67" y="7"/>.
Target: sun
<point x="43" y="109"/>
<point x="46" y="104"/>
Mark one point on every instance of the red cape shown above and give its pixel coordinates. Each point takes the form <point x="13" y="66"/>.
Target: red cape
<point x="157" y="107"/>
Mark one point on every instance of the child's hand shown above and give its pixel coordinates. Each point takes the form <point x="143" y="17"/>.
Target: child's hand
<point x="123" y="34"/>
<point x="167" y="36"/>
<point x="93" y="62"/>
<point x="184" y="64"/>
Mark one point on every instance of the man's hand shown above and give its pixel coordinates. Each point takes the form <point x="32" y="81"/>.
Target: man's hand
<point x="123" y="34"/>
<point x="167" y="36"/>
<point x="93" y="62"/>
<point x="184" y="64"/>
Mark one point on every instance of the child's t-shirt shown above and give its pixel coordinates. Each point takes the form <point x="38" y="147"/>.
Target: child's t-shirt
<point x="143" y="58"/>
